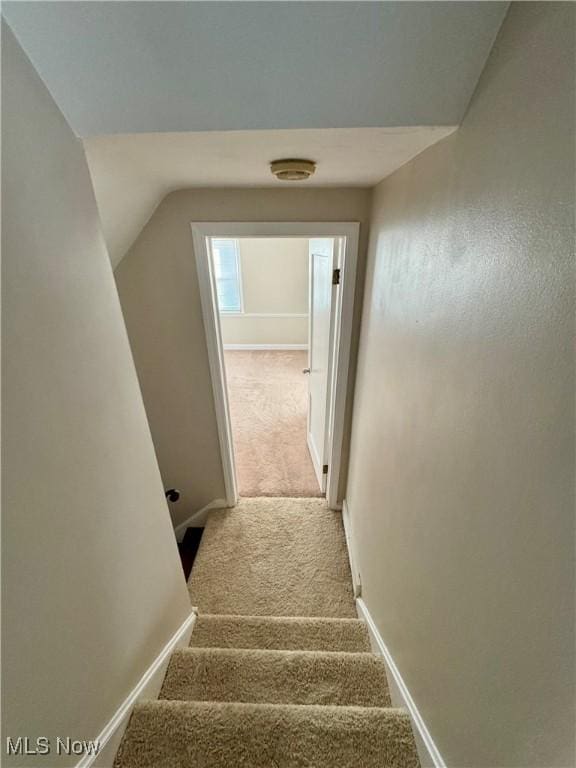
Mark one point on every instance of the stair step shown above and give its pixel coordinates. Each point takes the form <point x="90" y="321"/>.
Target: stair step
<point x="277" y="677"/>
<point x="176" y="734"/>
<point x="280" y="633"/>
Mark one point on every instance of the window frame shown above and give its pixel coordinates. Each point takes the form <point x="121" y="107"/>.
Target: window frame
<point x="236" y="241"/>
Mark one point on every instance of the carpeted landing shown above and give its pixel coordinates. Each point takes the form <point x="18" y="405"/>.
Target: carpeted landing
<point x="268" y="398"/>
<point x="274" y="557"/>
<point x="279" y="672"/>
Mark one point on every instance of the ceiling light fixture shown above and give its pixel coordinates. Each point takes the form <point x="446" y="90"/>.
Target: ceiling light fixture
<point x="292" y="170"/>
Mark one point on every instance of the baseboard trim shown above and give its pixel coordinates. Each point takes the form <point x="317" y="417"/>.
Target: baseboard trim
<point x="197" y="518"/>
<point x="120" y="718"/>
<point x="264" y="347"/>
<point x="356" y="578"/>
<point x="267" y="315"/>
<point x="427" y="749"/>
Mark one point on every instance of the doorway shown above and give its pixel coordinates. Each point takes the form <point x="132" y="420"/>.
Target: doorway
<point x="277" y="300"/>
<point x="262" y="288"/>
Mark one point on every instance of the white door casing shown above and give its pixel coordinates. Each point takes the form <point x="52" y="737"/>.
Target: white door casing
<point x="321" y="264"/>
<point x="345" y="235"/>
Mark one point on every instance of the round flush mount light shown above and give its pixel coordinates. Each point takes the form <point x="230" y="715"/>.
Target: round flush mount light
<point x="292" y="170"/>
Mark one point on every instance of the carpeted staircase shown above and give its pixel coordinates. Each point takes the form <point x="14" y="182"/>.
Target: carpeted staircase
<point x="279" y="672"/>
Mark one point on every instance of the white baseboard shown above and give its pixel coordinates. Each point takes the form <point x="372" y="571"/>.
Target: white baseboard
<point x="264" y="347"/>
<point x="267" y="315"/>
<point x="148" y="687"/>
<point x="428" y="752"/>
<point x="356" y="579"/>
<point x="198" y="518"/>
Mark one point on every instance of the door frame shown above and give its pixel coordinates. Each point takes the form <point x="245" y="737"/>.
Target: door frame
<point x="347" y="234"/>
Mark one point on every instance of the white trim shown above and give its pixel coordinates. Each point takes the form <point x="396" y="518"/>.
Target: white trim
<point x="346" y="231"/>
<point x="320" y="453"/>
<point x="347" y="261"/>
<point x="428" y="752"/>
<point x="276" y="229"/>
<point x="401" y="697"/>
<point x="347" y="523"/>
<point x="266" y="346"/>
<point x="213" y="333"/>
<point x="197" y="518"/>
<point x="154" y="674"/>
<point x="316" y="461"/>
<point x="267" y="315"/>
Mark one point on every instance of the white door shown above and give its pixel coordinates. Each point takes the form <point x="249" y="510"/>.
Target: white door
<point x="321" y="254"/>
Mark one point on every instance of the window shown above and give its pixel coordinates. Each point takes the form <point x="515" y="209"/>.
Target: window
<point x="226" y="256"/>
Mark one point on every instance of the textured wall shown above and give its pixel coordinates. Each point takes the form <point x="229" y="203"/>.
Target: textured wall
<point x="461" y="480"/>
<point x="92" y="584"/>
<point x="158" y="290"/>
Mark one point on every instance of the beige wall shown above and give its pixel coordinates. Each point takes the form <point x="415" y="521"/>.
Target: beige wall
<point x="275" y="274"/>
<point x="461" y="483"/>
<point x="264" y="330"/>
<point x="275" y="291"/>
<point x="158" y="289"/>
<point x="92" y="585"/>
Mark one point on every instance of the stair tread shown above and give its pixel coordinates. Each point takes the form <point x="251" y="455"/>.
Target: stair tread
<point x="280" y="632"/>
<point x="176" y="734"/>
<point x="277" y="676"/>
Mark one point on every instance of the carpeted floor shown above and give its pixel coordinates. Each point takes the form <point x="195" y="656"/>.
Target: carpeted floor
<point x="279" y="672"/>
<point x="274" y="557"/>
<point x="275" y="633"/>
<point x="207" y="734"/>
<point x="268" y="395"/>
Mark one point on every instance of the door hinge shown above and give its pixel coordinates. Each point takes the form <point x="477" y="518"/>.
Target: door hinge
<point x="325" y="469"/>
<point x="335" y="277"/>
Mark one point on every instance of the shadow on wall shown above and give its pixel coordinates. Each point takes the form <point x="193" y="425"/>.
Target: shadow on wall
<point x="158" y="291"/>
<point x="461" y="481"/>
<point x="91" y="583"/>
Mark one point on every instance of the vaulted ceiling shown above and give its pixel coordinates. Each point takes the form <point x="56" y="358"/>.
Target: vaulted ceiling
<point x="253" y="67"/>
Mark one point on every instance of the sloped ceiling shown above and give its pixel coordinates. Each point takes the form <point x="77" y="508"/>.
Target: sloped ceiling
<point x="257" y="68"/>
<point x="132" y="173"/>
<point x="131" y="67"/>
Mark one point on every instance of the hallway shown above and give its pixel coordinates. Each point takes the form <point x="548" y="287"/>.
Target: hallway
<point x="267" y="393"/>
<point x="197" y="194"/>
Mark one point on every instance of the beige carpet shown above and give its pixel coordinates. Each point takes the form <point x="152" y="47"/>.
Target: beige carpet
<point x="277" y="677"/>
<point x="268" y="395"/>
<point x="278" y="673"/>
<point x="186" y="734"/>
<point x="280" y="632"/>
<point x="274" y="557"/>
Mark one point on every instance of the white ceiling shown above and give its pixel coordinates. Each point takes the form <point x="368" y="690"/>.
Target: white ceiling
<point x="132" y="173"/>
<point x="177" y="94"/>
<point x="130" y="67"/>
